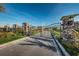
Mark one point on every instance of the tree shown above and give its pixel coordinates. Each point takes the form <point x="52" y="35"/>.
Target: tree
<point x="1" y="8"/>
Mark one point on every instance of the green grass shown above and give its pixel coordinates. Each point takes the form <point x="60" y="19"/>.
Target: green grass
<point x="9" y="37"/>
<point x="72" y="50"/>
<point x="6" y="37"/>
<point x="33" y="32"/>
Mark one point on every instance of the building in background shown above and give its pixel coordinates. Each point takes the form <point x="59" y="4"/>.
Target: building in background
<point x="6" y="28"/>
<point x="26" y="28"/>
<point x="15" y="27"/>
<point x="1" y="29"/>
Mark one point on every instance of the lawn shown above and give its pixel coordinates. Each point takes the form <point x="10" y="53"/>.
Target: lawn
<point x="8" y="36"/>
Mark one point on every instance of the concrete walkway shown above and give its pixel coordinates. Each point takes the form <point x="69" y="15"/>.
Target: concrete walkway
<point x="30" y="46"/>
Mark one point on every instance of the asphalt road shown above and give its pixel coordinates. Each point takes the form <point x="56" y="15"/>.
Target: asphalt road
<point x="38" y="45"/>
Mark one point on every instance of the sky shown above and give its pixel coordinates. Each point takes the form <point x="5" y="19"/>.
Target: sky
<point x="36" y="14"/>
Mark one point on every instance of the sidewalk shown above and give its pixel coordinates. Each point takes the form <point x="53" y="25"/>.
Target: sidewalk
<point x="8" y="43"/>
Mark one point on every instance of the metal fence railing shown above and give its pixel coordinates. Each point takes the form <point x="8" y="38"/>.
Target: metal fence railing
<point x="60" y="47"/>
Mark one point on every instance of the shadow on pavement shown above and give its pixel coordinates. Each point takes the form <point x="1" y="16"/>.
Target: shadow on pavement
<point x="36" y="42"/>
<point x="44" y="38"/>
<point x="27" y="44"/>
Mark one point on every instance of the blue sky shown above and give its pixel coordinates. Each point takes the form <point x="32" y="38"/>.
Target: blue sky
<point x="36" y="14"/>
